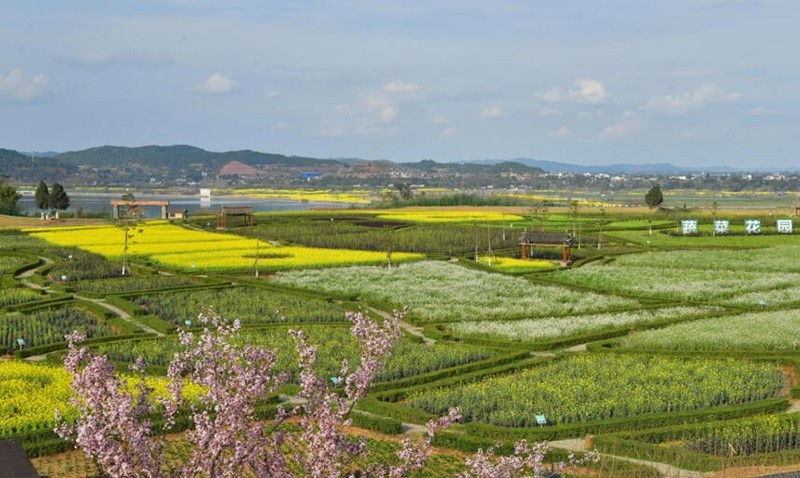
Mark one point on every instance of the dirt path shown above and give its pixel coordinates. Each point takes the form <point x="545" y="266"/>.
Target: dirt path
<point x="101" y="302"/>
<point x="578" y="444"/>
<point x="408" y="327"/>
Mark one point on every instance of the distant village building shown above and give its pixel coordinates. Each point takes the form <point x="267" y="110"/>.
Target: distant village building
<point x="177" y="214"/>
<point x="205" y="193"/>
<point x="126" y="208"/>
<point x="237" y="168"/>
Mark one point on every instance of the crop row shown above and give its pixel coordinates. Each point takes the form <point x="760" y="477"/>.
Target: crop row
<point x="248" y="305"/>
<point x="442" y="291"/>
<point x="334" y="343"/>
<point x="588" y="388"/>
<point x="188" y="249"/>
<point x="763" y="331"/>
<point x="130" y="284"/>
<point x="531" y="330"/>
<point x="46" y="326"/>
<point x="18" y="295"/>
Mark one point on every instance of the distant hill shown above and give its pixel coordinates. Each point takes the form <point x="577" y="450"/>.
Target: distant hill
<point x="181" y="157"/>
<point x="178" y="157"/>
<point x="23" y="168"/>
<point x="620" y="168"/>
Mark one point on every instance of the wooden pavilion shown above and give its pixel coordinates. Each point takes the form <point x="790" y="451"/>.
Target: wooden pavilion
<point x="531" y="239"/>
<point x="226" y="212"/>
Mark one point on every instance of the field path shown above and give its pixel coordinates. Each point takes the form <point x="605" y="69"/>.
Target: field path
<point x="577" y="444"/>
<point x="102" y="303"/>
<point x="122" y="314"/>
<point x="408" y="327"/>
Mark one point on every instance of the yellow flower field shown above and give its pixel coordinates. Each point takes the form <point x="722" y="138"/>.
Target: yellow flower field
<point x="187" y="249"/>
<point x="30" y="393"/>
<point x="450" y="216"/>
<point x="510" y="264"/>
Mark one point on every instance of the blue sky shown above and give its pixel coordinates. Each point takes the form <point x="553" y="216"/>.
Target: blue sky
<point x="693" y="82"/>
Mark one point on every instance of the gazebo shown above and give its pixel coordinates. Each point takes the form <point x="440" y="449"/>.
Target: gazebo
<point x="531" y="239"/>
<point x="226" y="212"/>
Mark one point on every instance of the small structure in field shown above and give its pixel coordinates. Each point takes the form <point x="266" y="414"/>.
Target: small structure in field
<point x="14" y="463"/>
<point x="227" y="212"/>
<point x="124" y="208"/>
<point x="178" y="214"/>
<point x="531" y="239"/>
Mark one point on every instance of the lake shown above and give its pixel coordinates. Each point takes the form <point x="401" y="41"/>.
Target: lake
<point x="98" y="202"/>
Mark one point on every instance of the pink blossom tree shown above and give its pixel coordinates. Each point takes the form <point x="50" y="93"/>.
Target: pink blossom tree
<point x="115" y="429"/>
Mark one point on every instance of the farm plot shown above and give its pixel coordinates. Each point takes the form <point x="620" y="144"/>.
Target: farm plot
<point x="674" y="284"/>
<point x="587" y="388"/>
<point x="369" y="234"/>
<point x="11" y="263"/>
<point x="764" y="331"/>
<point x="776" y="259"/>
<point x="334" y="343"/>
<point x="30" y="394"/>
<point x="450" y="216"/>
<point x="186" y="249"/>
<point x="446" y="292"/>
<point x="130" y="284"/>
<point x="248" y="305"/>
<point x="533" y="330"/>
<point x="512" y="265"/>
<point x="46" y="326"/>
<point x="17" y="296"/>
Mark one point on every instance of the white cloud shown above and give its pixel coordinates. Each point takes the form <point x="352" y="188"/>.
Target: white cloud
<point x="280" y="125"/>
<point x="218" y="83"/>
<point x="492" y="112"/>
<point x="590" y="114"/>
<point x="440" y="120"/>
<point x="400" y="86"/>
<point x="759" y="111"/>
<point x="449" y="131"/>
<point x="675" y="105"/>
<point x="622" y="129"/>
<point x="585" y="91"/>
<point x="560" y="132"/>
<point x="16" y="86"/>
<point x="272" y="94"/>
<point x="548" y="111"/>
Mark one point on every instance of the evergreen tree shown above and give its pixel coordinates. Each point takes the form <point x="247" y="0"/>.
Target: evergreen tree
<point x="653" y="199"/>
<point x="59" y="200"/>
<point x="42" y="198"/>
<point x="8" y="197"/>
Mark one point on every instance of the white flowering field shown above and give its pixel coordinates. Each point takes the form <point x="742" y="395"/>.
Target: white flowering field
<point x="439" y="291"/>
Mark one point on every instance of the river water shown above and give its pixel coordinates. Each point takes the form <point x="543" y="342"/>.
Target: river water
<point x="101" y="203"/>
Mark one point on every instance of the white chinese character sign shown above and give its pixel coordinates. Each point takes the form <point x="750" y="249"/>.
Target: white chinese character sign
<point x="722" y="227"/>
<point x="784" y="226"/>
<point x="752" y="226"/>
<point x="689" y="226"/>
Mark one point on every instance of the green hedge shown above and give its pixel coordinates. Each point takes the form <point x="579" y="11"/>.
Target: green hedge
<point x="678" y="457"/>
<point x="63" y="345"/>
<point x="450" y="372"/>
<point x="396" y="395"/>
<point x="156" y="323"/>
<point x="387" y="426"/>
<point x="650" y="421"/>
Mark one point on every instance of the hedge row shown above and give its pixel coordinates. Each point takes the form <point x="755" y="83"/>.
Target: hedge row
<point x="43" y="349"/>
<point x="385" y="425"/>
<point x="395" y="395"/>
<point x="652" y="422"/>
<point x="436" y="375"/>
<point x="678" y="457"/>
